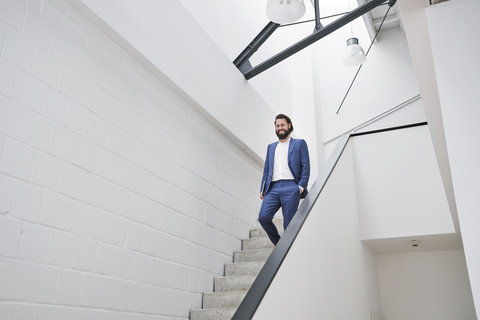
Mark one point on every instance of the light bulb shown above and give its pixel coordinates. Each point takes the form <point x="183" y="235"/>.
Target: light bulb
<point x="354" y="54"/>
<point x="285" y="11"/>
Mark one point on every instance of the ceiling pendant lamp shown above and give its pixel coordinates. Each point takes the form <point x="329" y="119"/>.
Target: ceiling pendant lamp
<point x="354" y="55"/>
<point x="285" y="11"/>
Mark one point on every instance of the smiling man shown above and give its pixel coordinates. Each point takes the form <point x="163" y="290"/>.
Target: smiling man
<point x="285" y="177"/>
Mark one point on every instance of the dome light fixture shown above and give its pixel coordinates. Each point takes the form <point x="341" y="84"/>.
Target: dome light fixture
<point x="285" y="11"/>
<point x="354" y="54"/>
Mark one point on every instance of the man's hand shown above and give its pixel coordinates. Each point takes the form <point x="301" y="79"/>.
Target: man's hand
<point x="301" y="189"/>
<point x="261" y="195"/>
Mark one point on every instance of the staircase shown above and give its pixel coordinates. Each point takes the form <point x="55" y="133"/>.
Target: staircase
<point x="230" y="290"/>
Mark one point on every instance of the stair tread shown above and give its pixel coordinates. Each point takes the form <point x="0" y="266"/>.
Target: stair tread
<point x="252" y="255"/>
<point x="212" y="309"/>
<point x="235" y="277"/>
<point x="234" y="283"/>
<point x="260" y="233"/>
<point x="237" y="292"/>
<point x="252" y="250"/>
<point x="243" y="268"/>
<point x="228" y="299"/>
<point x="212" y="314"/>
<point x="244" y="263"/>
<point x="257" y="243"/>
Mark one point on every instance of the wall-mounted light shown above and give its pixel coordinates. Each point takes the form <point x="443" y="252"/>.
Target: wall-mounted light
<point x="285" y="11"/>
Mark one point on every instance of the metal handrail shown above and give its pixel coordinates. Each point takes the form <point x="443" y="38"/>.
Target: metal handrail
<point x="378" y="117"/>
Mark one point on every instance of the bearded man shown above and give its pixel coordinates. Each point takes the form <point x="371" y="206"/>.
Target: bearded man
<point x="285" y="177"/>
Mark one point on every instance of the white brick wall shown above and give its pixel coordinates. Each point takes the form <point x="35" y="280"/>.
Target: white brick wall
<point x="118" y="200"/>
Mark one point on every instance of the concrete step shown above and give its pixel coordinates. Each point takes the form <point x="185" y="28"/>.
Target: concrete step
<point x="257" y="243"/>
<point x="243" y="268"/>
<point x="260" y="233"/>
<point x="252" y="255"/>
<point x="222" y="300"/>
<point x="212" y="314"/>
<point x="239" y="277"/>
<point x="257" y="233"/>
<point x="235" y="283"/>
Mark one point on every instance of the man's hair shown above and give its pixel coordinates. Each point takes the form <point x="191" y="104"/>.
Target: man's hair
<point x="282" y="116"/>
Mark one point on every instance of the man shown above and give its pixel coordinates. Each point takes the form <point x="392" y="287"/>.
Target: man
<point x="285" y="177"/>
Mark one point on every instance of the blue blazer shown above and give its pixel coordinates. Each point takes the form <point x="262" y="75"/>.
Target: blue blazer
<point x="298" y="162"/>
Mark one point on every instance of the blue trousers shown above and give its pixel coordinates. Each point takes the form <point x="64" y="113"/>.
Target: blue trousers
<point x="285" y="194"/>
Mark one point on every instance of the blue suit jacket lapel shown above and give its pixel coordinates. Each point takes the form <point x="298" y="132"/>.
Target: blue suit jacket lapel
<point x="272" y="156"/>
<point x="290" y="148"/>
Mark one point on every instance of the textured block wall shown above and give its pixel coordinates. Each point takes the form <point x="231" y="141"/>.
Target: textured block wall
<point x="118" y="200"/>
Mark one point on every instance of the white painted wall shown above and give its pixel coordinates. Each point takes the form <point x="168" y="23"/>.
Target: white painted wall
<point x="386" y="80"/>
<point x="399" y="186"/>
<point x="156" y="32"/>
<point x="425" y="286"/>
<point x="416" y="29"/>
<point x="118" y="198"/>
<point x="328" y="272"/>
<point x="410" y="113"/>
<point x="303" y="108"/>
<point x="207" y="75"/>
<point x="232" y="26"/>
<point x="457" y="68"/>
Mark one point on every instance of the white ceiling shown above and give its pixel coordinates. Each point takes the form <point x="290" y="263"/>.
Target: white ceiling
<point x="374" y="18"/>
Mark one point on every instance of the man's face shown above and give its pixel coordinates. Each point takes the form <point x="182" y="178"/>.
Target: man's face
<point x="282" y="129"/>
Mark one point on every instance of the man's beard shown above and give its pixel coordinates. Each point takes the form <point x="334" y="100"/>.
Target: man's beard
<point x="284" y="135"/>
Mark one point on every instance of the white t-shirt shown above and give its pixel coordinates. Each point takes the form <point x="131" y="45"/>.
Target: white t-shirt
<point x="281" y="171"/>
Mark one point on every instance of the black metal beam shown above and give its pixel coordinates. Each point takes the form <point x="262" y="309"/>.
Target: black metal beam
<point x="340" y="22"/>
<point x="318" y="24"/>
<point x="241" y="62"/>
